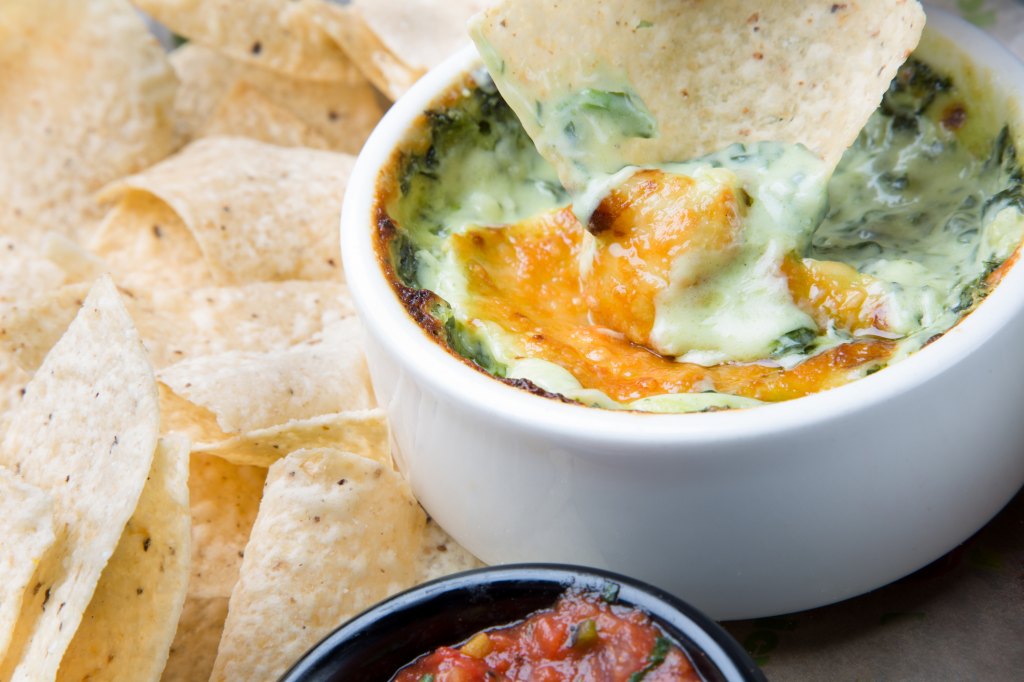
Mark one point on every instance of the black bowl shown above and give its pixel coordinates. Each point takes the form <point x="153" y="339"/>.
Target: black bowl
<point x="373" y="646"/>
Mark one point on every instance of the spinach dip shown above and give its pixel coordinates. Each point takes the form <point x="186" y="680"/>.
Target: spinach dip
<point x="759" y="278"/>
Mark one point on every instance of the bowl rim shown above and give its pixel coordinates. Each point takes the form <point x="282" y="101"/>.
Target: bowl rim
<point x="451" y="379"/>
<point x="679" y="619"/>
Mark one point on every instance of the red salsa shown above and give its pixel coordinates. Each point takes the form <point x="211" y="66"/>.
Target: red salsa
<point x="583" y="637"/>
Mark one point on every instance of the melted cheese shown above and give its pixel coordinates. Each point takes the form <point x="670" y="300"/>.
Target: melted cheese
<point x="526" y="278"/>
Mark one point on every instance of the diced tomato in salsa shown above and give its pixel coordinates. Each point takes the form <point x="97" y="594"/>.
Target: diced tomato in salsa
<point x="583" y="637"/>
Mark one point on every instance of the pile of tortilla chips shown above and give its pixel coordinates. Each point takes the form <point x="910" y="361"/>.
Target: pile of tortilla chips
<point x="195" y="479"/>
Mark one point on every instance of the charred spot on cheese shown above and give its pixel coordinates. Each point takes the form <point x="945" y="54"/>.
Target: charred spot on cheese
<point x="742" y="277"/>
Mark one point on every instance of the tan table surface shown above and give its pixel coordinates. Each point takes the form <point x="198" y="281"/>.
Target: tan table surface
<point x="959" y="618"/>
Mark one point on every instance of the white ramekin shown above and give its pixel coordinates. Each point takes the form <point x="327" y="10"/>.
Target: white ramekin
<point x="743" y="513"/>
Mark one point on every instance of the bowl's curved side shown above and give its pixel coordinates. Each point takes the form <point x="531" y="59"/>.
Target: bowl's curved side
<point x="741" y="528"/>
<point x="744" y="514"/>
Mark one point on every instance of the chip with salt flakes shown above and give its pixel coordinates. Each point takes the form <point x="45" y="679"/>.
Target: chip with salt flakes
<point x="85" y="432"/>
<point x="127" y="630"/>
<point x="340" y="114"/>
<point x="250" y="391"/>
<point x="648" y="82"/>
<point x="335" y="533"/>
<point x="395" y="42"/>
<point x="258" y="212"/>
<point x="27" y="513"/>
<point x="87" y="97"/>
<point x="224" y="500"/>
<point x="363" y="432"/>
<point x="281" y="35"/>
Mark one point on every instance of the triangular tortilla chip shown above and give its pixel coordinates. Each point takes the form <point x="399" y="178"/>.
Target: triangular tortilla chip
<point x="86" y="97"/>
<point x="335" y="533"/>
<point x="648" y="82"/>
<point x="127" y="630"/>
<point x="85" y="432"/>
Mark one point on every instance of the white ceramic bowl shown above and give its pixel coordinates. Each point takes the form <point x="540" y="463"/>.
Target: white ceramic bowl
<point x="743" y="513"/>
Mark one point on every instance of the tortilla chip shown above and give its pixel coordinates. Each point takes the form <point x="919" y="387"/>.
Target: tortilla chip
<point x="337" y="115"/>
<point x="26" y="270"/>
<point x="195" y="644"/>
<point x="93" y="106"/>
<point x="244" y="112"/>
<point x="42" y="286"/>
<point x="335" y="533"/>
<point x="177" y="324"/>
<point x="85" y="432"/>
<point x="127" y="630"/>
<point x="29" y="330"/>
<point x="147" y="247"/>
<point x="13" y="380"/>
<point x="49" y="261"/>
<point x="709" y="74"/>
<point x="440" y="555"/>
<point x="205" y="77"/>
<point x="178" y="415"/>
<point x="224" y="498"/>
<point x="78" y="263"/>
<point x="27" y="512"/>
<point x="250" y="391"/>
<point x="258" y="212"/>
<point x="280" y="35"/>
<point x="395" y="42"/>
<point x="41" y="289"/>
<point x="363" y="432"/>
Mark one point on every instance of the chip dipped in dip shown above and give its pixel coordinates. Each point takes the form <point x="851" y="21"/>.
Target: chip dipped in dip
<point x="748" y="274"/>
